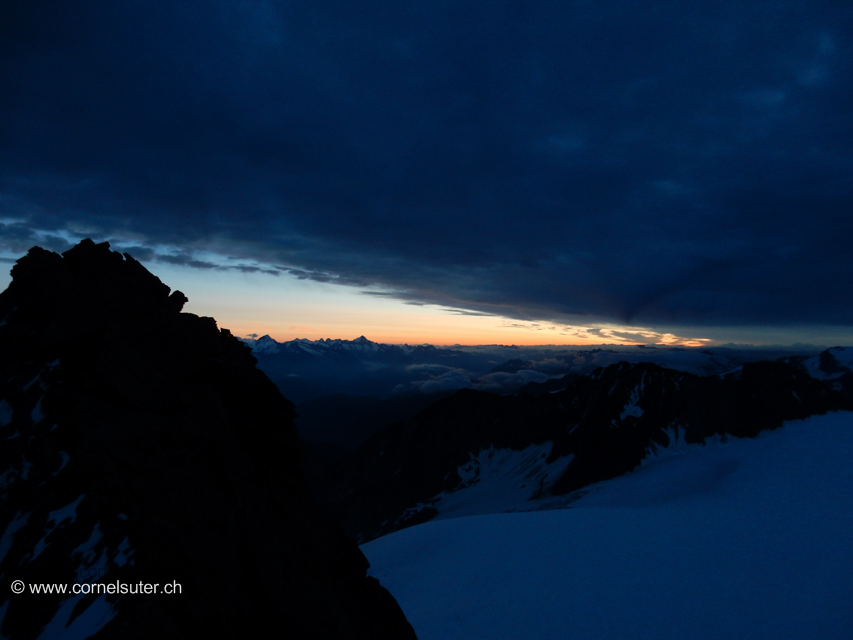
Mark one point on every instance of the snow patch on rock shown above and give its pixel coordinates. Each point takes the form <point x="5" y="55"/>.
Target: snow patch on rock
<point x="499" y="480"/>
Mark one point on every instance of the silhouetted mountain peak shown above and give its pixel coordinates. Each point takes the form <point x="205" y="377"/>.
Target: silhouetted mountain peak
<point x="142" y="445"/>
<point x="88" y="287"/>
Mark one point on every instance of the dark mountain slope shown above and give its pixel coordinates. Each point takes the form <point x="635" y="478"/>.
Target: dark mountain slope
<point x="549" y="386"/>
<point x="347" y="421"/>
<point x="599" y="427"/>
<point x="142" y="444"/>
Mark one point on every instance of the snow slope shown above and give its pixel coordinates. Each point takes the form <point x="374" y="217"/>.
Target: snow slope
<point x="499" y="480"/>
<point x="830" y="364"/>
<point x="744" y="539"/>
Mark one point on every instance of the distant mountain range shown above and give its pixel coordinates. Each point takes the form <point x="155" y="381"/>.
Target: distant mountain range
<point x="305" y="369"/>
<point x="346" y="390"/>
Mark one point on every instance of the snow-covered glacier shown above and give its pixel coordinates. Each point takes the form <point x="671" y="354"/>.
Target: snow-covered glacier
<point x="743" y="538"/>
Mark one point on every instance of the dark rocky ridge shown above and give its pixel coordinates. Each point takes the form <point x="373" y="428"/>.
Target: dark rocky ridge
<point x="347" y="421"/>
<point x="609" y="421"/>
<point x="142" y="444"/>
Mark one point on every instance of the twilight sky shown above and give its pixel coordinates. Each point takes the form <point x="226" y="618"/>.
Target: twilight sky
<point x="447" y="171"/>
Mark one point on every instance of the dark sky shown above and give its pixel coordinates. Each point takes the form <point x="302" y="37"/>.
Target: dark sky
<point x="668" y="162"/>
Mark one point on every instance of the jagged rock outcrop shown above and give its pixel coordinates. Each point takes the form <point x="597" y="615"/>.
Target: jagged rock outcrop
<point x="600" y="426"/>
<point x="141" y="444"/>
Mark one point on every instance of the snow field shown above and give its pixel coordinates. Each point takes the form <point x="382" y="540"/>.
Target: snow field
<point x="749" y="538"/>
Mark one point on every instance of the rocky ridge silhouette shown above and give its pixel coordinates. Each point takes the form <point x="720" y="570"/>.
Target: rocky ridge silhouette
<point x="142" y="445"/>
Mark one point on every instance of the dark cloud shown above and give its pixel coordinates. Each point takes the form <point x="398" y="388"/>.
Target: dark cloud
<point x="450" y="381"/>
<point x="508" y="382"/>
<point x="19" y="237"/>
<point x="250" y="269"/>
<point x="186" y="260"/>
<point x="432" y="369"/>
<point x="464" y="312"/>
<point x="675" y="163"/>
<point x="636" y="337"/>
<point x="432" y="378"/>
<point x="189" y="260"/>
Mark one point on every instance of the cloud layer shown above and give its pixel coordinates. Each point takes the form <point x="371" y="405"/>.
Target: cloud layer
<point x="675" y="164"/>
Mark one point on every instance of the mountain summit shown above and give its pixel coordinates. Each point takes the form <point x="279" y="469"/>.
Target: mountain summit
<point x="141" y="446"/>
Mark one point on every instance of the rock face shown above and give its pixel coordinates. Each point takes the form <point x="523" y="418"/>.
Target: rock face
<point x="141" y="444"/>
<point x="600" y="426"/>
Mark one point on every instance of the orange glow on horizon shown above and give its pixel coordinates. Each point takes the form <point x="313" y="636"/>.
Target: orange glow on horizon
<point x="472" y="331"/>
<point x="286" y="309"/>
